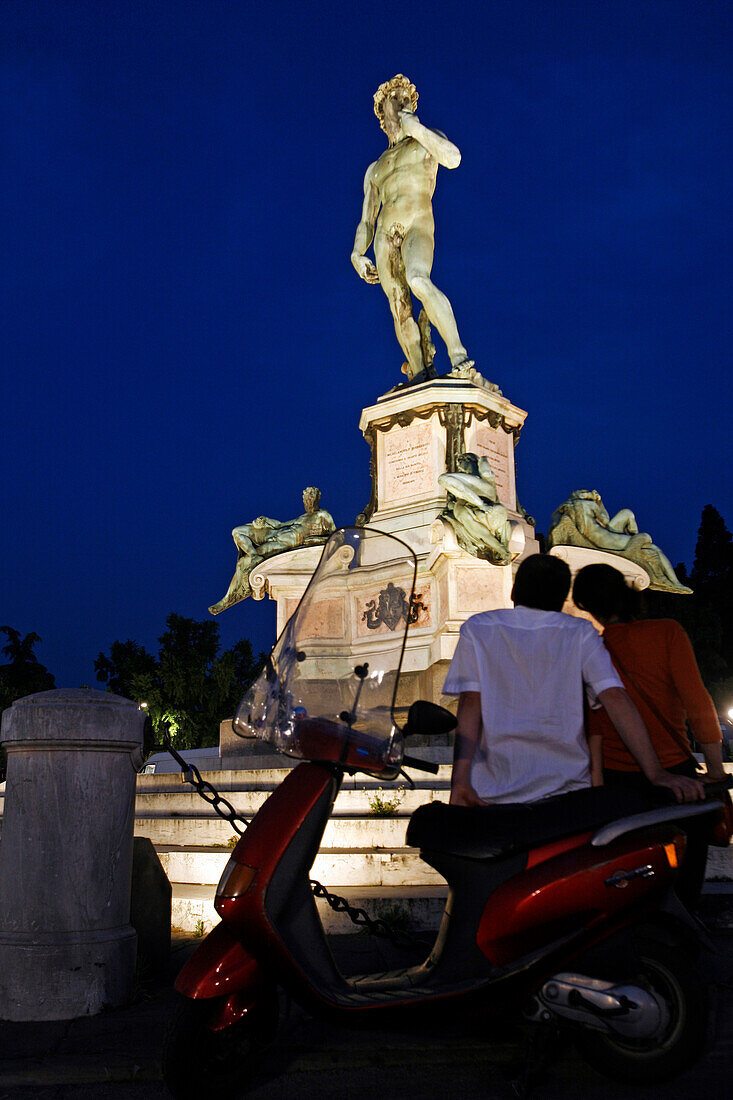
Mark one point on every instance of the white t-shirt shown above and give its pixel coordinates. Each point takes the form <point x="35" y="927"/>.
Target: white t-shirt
<point x="530" y="667"/>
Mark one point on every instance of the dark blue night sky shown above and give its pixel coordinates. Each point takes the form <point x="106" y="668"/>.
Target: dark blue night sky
<point x="185" y="344"/>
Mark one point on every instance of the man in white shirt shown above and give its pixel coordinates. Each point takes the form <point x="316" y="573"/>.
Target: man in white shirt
<point x="520" y="675"/>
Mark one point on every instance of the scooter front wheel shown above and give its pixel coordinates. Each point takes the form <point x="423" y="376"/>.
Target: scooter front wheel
<point x="681" y="1035"/>
<point x="199" y="1061"/>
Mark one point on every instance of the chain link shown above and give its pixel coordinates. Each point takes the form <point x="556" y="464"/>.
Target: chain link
<point x="225" y="810"/>
<point x="192" y="775"/>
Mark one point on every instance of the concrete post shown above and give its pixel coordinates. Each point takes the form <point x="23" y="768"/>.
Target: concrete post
<point x="66" y="944"/>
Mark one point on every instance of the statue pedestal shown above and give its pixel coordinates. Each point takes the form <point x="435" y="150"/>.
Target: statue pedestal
<point x="415" y="434"/>
<point x="579" y="556"/>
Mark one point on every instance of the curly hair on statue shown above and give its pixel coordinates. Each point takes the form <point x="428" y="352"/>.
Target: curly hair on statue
<point x="397" y="83"/>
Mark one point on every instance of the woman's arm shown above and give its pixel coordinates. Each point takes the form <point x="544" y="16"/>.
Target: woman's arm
<point x="699" y="707"/>
<point x="632" y="731"/>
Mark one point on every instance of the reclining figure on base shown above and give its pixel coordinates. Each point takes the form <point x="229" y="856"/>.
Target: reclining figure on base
<point x="264" y="537"/>
<point x="582" y="520"/>
<point x="473" y="510"/>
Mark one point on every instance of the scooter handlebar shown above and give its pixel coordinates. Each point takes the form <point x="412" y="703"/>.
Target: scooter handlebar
<point x="718" y="786"/>
<point x="420" y="765"/>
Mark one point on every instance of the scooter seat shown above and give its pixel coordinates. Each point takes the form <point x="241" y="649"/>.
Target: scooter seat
<point x="488" y="832"/>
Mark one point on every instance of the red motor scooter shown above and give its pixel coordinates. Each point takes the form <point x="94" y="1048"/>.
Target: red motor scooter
<point x="564" y="909"/>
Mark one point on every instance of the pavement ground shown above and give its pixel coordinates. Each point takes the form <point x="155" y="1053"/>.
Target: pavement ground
<point x="117" y="1053"/>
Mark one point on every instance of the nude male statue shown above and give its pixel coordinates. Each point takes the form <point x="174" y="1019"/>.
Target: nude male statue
<point x="402" y="182"/>
<point x="264" y="537"/>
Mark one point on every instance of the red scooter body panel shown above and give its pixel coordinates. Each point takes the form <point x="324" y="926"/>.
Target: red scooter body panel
<point x="219" y="967"/>
<point x="271" y="830"/>
<point x="267" y="838"/>
<point x="556" y="848"/>
<point x="568" y="893"/>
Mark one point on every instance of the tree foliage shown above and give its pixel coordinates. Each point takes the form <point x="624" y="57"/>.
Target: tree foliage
<point x="189" y="687"/>
<point x="23" y="674"/>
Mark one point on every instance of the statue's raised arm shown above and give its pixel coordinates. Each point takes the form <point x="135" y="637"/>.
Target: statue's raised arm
<point x="435" y="143"/>
<point x="397" y="217"/>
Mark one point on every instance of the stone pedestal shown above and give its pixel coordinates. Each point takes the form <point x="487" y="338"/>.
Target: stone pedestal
<point x="66" y="944"/>
<point x="577" y="557"/>
<point x="415" y="434"/>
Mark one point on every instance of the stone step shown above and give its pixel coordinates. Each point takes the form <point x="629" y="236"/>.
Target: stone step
<point x="351" y="802"/>
<point x="209" y="830"/>
<point x="720" y="865"/>
<point x="334" y="867"/>
<point x="267" y="778"/>
<point x="418" y="908"/>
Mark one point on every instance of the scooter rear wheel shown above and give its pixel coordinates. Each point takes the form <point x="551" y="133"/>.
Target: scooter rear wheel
<point x="198" y="1061"/>
<point x="680" y="1037"/>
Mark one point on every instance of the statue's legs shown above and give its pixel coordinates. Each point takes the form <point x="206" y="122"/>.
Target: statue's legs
<point x="243" y="539"/>
<point x="624" y="521"/>
<point x="394" y="285"/>
<point x="239" y="588"/>
<point x="666" y="566"/>
<point x="417" y="253"/>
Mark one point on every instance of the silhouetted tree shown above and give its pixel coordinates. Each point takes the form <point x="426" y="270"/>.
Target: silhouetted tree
<point x="707" y="615"/>
<point x="189" y="687"/>
<point x="22" y="675"/>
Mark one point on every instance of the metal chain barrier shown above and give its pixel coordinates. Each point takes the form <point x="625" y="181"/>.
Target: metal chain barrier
<point x="225" y="810"/>
<point x="192" y="775"/>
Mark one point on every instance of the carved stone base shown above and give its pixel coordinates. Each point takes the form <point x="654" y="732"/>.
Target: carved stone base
<point x="578" y="556"/>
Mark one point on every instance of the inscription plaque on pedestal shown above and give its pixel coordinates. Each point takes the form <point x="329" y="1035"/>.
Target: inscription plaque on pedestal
<point x="410" y="464"/>
<point x="498" y="446"/>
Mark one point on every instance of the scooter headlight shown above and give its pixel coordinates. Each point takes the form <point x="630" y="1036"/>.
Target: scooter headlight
<point x="236" y="880"/>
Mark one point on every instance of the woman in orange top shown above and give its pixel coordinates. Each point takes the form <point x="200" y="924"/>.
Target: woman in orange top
<point x="657" y="665"/>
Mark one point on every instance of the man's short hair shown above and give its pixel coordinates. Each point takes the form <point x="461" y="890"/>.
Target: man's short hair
<point x="542" y="581"/>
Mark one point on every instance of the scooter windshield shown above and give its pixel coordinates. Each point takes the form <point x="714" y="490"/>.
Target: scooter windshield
<point x="328" y="689"/>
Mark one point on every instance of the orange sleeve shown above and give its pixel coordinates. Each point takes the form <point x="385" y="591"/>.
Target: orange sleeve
<point x="698" y="705"/>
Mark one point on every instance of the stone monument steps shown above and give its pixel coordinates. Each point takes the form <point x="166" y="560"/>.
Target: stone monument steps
<point x="334" y="867"/>
<point x="207" y="830"/>
<point x="419" y="908"/>
<point x="266" y="778"/>
<point x="350" y="802"/>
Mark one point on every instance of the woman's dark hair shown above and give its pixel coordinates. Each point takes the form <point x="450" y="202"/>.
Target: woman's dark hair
<point x="542" y="581"/>
<point x="603" y="591"/>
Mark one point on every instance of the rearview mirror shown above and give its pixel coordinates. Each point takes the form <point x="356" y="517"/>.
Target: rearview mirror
<point x="428" y="720"/>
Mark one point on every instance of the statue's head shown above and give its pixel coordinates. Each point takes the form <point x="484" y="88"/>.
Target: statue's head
<point x="586" y="494"/>
<point x="311" y="499"/>
<point x="467" y="463"/>
<point x="399" y="88"/>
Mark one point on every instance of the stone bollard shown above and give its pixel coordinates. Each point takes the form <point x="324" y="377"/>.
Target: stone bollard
<point x="66" y="944"/>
